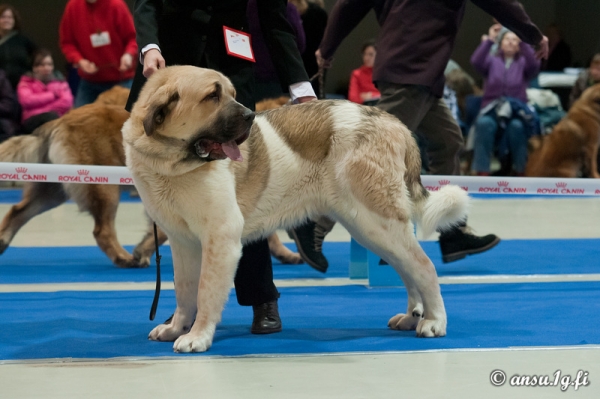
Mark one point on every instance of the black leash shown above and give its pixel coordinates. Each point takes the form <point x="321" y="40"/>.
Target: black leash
<point x="157" y="290"/>
<point x="319" y="75"/>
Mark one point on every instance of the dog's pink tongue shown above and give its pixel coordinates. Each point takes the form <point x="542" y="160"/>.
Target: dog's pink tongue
<point x="232" y="151"/>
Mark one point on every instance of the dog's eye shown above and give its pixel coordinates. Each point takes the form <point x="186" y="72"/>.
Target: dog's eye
<point x="214" y="96"/>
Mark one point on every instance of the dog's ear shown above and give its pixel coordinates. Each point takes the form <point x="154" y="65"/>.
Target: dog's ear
<point x="160" y="106"/>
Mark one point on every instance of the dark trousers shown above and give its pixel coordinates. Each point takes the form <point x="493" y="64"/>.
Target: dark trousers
<point x="423" y="112"/>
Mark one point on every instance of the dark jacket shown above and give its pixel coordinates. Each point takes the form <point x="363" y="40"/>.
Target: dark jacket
<point x="9" y="109"/>
<point x="15" y="57"/>
<point x="190" y="32"/>
<point x="417" y="36"/>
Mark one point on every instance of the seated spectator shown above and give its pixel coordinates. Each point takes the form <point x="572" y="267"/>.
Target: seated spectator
<point x="362" y="90"/>
<point x="15" y="48"/>
<point x="9" y="109"/>
<point x="587" y="78"/>
<point x="44" y="94"/>
<point x="505" y="121"/>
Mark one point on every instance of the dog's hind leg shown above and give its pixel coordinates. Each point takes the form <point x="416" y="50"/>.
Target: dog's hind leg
<point x="37" y="198"/>
<point x="186" y="267"/>
<point x="102" y="201"/>
<point x="395" y="242"/>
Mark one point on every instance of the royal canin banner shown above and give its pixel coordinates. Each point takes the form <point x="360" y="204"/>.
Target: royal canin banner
<point x="91" y="174"/>
<point x="50" y="173"/>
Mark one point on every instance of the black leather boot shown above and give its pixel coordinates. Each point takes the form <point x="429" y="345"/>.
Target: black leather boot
<point x="266" y="318"/>
<point x="459" y="242"/>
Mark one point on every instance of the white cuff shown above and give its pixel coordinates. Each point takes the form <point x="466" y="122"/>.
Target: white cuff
<point x="145" y="50"/>
<point x="302" y="89"/>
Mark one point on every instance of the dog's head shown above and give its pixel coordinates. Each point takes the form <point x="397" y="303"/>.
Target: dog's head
<point x="188" y="114"/>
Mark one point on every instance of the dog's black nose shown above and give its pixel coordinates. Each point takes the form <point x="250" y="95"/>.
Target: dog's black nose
<point x="248" y="115"/>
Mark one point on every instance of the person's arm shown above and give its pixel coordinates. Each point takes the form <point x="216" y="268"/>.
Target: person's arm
<point x="64" y="100"/>
<point x="145" y="19"/>
<point x="127" y="34"/>
<point x="296" y="22"/>
<point x="30" y="100"/>
<point x="532" y="64"/>
<point x="280" y="40"/>
<point x="344" y="17"/>
<point x="481" y="58"/>
<point x="67" y="37"/>
<point x="512" y="15"/>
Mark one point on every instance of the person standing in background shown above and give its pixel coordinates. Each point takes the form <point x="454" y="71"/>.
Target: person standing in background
<point x="98" y="37"/>
<point x="16" y="49"/>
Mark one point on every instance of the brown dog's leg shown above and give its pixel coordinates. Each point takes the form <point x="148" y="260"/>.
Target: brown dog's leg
<point x="593" y="154"/>
<point x="145" y="249"/>
<point x="37" y="198"/>
<point x="281" y="252"/>
<point x="102" y="201"/>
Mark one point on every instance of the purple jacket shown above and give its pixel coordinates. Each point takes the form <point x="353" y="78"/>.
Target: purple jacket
<point x="264" y="68"/>
<point x="502" y="82"/>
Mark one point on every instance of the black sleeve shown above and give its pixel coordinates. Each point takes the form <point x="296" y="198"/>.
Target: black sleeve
<point x="512" y="15"/>
<point x="281" y="42"/>
<point x="145" y="19"/>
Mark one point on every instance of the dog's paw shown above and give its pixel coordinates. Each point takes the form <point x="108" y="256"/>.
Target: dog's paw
<point x="404" y="322"/>
<point x="431" y="328"/>
<point x="288" y="258"/>
<point x="192" y="343"/>
<point x="166" y="332"/>
<point x="130" y="262"/>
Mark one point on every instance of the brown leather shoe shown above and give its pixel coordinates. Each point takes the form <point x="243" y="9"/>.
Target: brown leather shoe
<point x="266" y="318"/>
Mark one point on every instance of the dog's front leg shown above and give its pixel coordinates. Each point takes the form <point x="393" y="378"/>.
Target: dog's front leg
<point x="186" y="268"/>
<point x="221" y="253"/>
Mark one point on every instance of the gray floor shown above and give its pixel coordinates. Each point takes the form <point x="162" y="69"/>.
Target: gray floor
<point x="436" y="374"/>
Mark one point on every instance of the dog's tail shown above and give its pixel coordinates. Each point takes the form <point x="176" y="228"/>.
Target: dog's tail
<point x="439" y="210"/>
<point x="29" y="148"/>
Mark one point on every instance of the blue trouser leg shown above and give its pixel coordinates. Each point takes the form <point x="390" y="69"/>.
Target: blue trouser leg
<point x="485" y="134"/>
<point x="517" y="143"/>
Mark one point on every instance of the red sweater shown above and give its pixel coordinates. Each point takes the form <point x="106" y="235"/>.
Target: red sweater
<point x="361" y="81"/>
<point x="82" y="19"/>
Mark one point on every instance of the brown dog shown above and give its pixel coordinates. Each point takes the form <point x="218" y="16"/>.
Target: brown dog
<point x="89" y="135"/>
<point x="571" y="150"/>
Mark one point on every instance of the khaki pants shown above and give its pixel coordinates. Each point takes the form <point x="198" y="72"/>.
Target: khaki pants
<point x="423" y="112"/>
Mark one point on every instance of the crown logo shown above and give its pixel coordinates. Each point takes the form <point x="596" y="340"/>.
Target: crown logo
<point x="561" y="184"/>
<point x="503" y="183"/>
<point x="444" y="182"/>
<point x="83" y="172"/>
<point x="21" y="170"/>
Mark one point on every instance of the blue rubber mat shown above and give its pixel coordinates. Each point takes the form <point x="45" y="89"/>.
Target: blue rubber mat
<point x="13" y="196"/>
<point x="315" y="320"/>
<point x="89" y="264"/>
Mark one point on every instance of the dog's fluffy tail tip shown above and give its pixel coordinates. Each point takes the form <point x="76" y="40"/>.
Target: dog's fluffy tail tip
<point x="444" y="209"/>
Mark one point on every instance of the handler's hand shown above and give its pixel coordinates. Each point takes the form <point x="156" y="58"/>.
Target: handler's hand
<point x="322" y="62"/>
<point x="541" y="50"/>
<point x="153" y="61"/>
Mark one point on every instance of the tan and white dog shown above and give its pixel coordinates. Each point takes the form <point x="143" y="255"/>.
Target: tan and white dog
<point x="356" y="164"/>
